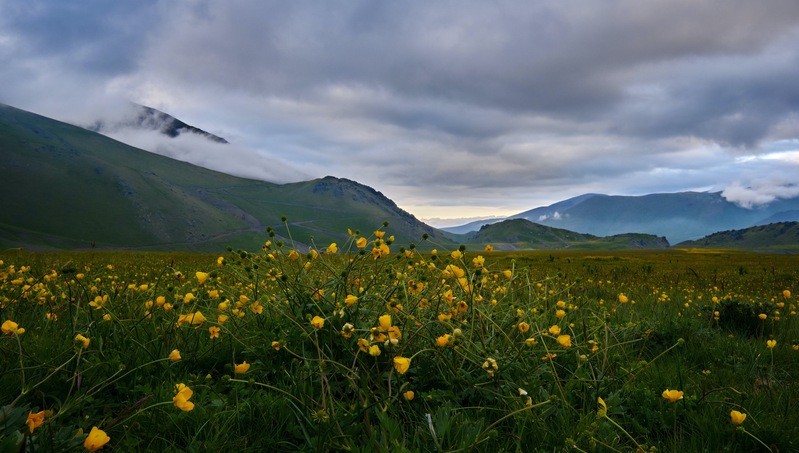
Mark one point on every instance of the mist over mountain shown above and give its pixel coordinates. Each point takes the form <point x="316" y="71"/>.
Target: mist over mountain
<point x="147" y="118"/>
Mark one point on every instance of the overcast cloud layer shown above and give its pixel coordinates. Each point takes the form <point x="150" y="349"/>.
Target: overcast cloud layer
<point x="451" y="108"/>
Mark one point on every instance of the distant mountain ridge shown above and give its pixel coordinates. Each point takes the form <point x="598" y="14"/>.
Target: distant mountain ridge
<point x="148" y="118"/>
<point x="677" y="216"/>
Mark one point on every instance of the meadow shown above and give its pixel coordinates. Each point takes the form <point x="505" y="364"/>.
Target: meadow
<point x="367" y="345"/>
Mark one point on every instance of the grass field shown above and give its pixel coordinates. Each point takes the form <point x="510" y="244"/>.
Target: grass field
<point x="367" y="346"/>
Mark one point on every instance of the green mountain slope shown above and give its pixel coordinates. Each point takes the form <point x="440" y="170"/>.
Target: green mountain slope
<point x="64" y="186"/>
<point x="783" y="236"/>
<point x="521" y="234"/>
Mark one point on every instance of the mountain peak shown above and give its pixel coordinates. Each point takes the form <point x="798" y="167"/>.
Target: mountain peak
<point x="148" y="118"/>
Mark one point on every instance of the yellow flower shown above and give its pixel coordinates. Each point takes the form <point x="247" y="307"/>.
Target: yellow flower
<point x="174" y="356"/>
<point x="380" y="250"/>
<point x="456" y="254"/>
<point x="99" y="302"/>
<point x="565" y="341"/>
<point x="34" y="420"/>
<point x="394" y="334"/>
<point x="401" y="364"/>
<point x="523" y="327"/>
<point x="443" y="340"/>
<point x="276" y="345"/>
<point x="409" y="395"/>
<point x="195" y="319"/>
<point x="242" y="367"/>
<point x="672" y="395"/>
<point x="786" y="294"/>
<point x="361" y="242"/>
<point x="453" y="270"/>
<point x="771" y="343"/>
<point x="385" y="322"/>
<point x="623" y="299"/>
<point x="379" y="234"/>
<point x="490" y="366"/>
<point x="332" y="248"/>
<point x="736" y="418"/>
<point x="603" y="408"/>
<point x="96" y="439"/>
<point x="554" y="330"/>
<point x="317" y="322"/>
<point x="10" y="327"/>
<point x="350" y="300"/>
<point x="374" y="350"/>
<point x="213" y="332"/>
<point x="489" y="248"/>
<point x="182" y="396"/>
<point x="82" y="340"/>
<point x="560" y="313"/>
<point x="443" y="317"/>
<point x="293" y="254"/>
<point x="201" y="277"/>
<point x="762" y="316"/>
<point x="188" y="297"/>
<point x="347" y="330"/>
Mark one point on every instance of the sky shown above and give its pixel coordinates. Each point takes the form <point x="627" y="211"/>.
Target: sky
<point x="453" y="109"/>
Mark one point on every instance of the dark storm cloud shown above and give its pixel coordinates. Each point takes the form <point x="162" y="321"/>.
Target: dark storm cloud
<point x="490" y="103"/>
<point x="97" y="35"/>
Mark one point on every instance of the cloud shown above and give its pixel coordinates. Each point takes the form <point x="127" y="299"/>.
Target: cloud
<point x="555" y="216"/>
<point x="196" y="149"/>
<point x="759" y="192"/>
<point x="468" y="108"/>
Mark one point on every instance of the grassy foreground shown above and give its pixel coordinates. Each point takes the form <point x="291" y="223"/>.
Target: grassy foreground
<point x="366" y="346"/>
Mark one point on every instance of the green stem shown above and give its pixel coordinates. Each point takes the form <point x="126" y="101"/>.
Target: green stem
<point x="629" y="436"/>
<point x="755" y="438"/>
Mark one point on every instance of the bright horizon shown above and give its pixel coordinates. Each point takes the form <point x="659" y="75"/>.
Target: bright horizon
<point x="454" y="111"/>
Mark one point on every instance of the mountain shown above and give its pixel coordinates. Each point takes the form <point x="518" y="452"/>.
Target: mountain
<point x="677" y="216"/>
<point x="782" y="216"/>
<point x="471" y="226"/>
<point x="523" y="234"/>
<point x="783" y="236"/>
<point x="67" y="187"/>
<point x="143" y="117"/>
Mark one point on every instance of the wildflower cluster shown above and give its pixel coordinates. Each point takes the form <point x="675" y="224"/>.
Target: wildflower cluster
<point x="359" y="341"/>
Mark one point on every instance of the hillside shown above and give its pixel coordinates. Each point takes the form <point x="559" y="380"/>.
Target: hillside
<point x="67" y="187"/>
<point x="783" y="236"/>
<point x="523" y="234"/>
